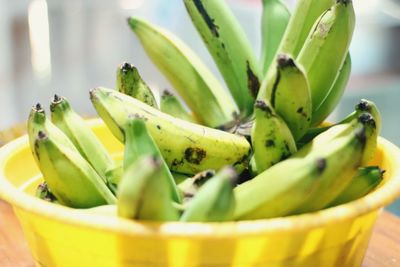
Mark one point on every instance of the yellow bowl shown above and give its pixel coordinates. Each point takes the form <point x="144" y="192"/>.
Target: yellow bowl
<point x="60" y="236"/>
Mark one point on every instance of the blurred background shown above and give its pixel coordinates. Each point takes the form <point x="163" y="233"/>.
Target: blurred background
<point x="68" y="47"/>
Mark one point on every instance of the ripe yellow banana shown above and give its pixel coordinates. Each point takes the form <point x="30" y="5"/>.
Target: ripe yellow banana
<point x="228" y="45"/>
<point x="139" y="143"/>
<point x="275" y="18"/>
<point x="186" y="147"/>
<point x="326" y="48"/>
<point x="198" y="87"/>
<point x="271" y="138"/>
<point x="131" y="83"/>
<point x="83" y="138"/>
<point x="144" y="193"/>
<point x="286" y="88"/>
<point x="215" y="201"/>
<point x="171" y="105"/>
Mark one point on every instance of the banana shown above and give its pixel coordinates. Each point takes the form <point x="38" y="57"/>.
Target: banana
<point x="171" y="105"/>
<point x="43" y="192"/>
<point x="139" y="143"/>
<point x="271" y="138"/>
<point x="275" y="18"/>
<point x="190" y="186"/>
<point x="326" y="48"/>
<point x="334" y="95"/>
<point x="287" y="89"/>
<point x="198" y="87"/>
<point x="69" y="176"/>
<point x="215" y="201"/>
<point x="131" y="83"/>
<point x="329" y="189"/>
<point x="144" y="193"/>
<point x="305" y="14"/>
<point x="366" y="180"/>
<point x="186" y="147"/>
<point x="83" y="138"/>
<point x="228" y="45"/>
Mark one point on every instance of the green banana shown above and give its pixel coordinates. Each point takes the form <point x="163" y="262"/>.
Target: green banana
<point x="326" y="48"/>
<point x="190" y="186"/>
<point x="366" y="180"/>
<point x="144" y="193"/>
<point x="228" y="45"/>
<point x="305" y="14"/>
<point x="186" y="147"/>
<point x="198" y="87"/>
<point x="334" y="95"/>
<point x="171" y="105"/>
<point x="139" y="143"/>
<point x="275" y="18"/>
<point x="69" y="176"/>
<point x="83" y="138"/>
<point x="286" y="186"/>
<point x="330" y="188"/>
<point x="287" y="89"/>
<point x="215" y="201"/>
<point x="271" y="138"/>
<point x="131" y="83"/>
<point x="43" y="192"/>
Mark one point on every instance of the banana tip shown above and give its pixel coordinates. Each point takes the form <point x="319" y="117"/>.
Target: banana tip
<point x="285" y="61"/>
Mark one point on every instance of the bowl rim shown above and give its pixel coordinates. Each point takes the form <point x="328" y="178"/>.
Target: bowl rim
<point x="376" y="200"/>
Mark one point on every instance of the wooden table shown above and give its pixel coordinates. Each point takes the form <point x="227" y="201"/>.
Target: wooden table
<point x="383" y="251"/>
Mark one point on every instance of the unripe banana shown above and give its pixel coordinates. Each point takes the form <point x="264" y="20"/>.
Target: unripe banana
<point x="286" y="88"/>
<point x="215" y="201"/>
<point x="198" y="87"/>
<point x="186" y="147"/>
<point x="334" y="95"/>
<point x="69" y="176"/>
<point x="131" y="83"/>
<point x="139" y="143"/>
<point x="301" y="23"/>
<point x="275" y="18"/>
<point x="366" y="180"/>
<point x="171" y="105"/>
<point x="144" y="193"/>
<point x="326" y="48"/>
<point x="271" y="138"/>
<point x="228" y="45"/>
<point x="83" y="138"/>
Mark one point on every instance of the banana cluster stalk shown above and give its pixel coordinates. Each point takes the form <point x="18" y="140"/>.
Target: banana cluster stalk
<point x="131" y="83"/>
<point x="201" y="91"/>
<point x="171" y="105"/>
<point x="186" y="147"/>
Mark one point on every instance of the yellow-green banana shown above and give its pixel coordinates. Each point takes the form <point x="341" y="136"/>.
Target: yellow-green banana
<point x="198" y="87"/>
<point x="144" y="193"/>
<point x="186" y="147"/>
<point x="79" y="132"/>
<point x="228" y="45"/>
<point x="286" y="186"/>
<point x="334" y="95"/>
<point x="275" y="18"/>
<point x="139" y="143"/>
<point x="366" y="180"/>
<point x="326" y="48"/>
<point x="286" y="88"/>
<point x="215" y="201"/>
<point x="131" y="83"/>
<point x="271" y="138"/>
<point x="190" y="186"/>
<point x="305" y="14"/>
<point x="69" y="176"/>
<point x="171" y="105"/>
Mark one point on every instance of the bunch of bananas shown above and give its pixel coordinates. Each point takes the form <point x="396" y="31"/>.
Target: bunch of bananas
<point x="251" y="152"/>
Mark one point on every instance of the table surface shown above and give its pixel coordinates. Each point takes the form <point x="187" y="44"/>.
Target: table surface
<point x="383" y="251"/>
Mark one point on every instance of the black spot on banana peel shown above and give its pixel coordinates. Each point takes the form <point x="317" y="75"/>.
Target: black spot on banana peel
<point x="42" y="135"/>
<point x="275" y="86"/>
<point x="200" y="178"/>
<point x="195" y="155"/>
<point x="284" y="61"/>
<point x="367" y="119"/>
<point x="208" y="20"/>
<point x="260" y="104"/>
<point x="363" y="106"/>
<point x="344" y="2"/>
<point x="321" y="165"/>
<point x="252" y="81"/>
<point x="270" y="143"/>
